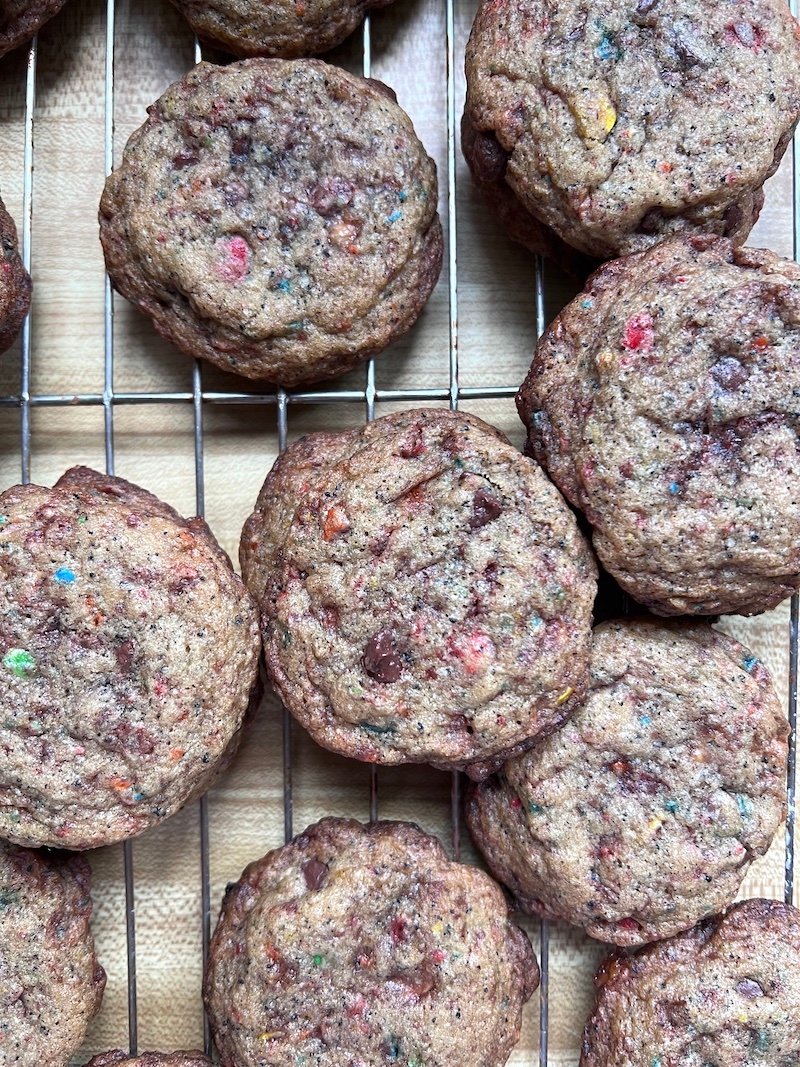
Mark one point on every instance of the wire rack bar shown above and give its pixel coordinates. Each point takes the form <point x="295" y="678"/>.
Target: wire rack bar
<point x="369" y="396"/>
<point x="544" y="928"/>
<point x="27" y="236"/>
<point x="108" y="439"/>
<point x="346" y="396"/>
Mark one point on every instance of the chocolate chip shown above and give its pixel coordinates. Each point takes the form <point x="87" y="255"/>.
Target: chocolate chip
<point x="185" y="158"/>
<point x="485" y="509"/>
<point x="241" y="147"/>
<point x="315" y="872"/>
<point x="729" y="373"/>
<point x="381" y="658"/>
<point x="749" y="989"/>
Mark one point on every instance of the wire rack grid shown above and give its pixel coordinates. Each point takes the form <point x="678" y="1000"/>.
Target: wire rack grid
<point x="282" y="400"/>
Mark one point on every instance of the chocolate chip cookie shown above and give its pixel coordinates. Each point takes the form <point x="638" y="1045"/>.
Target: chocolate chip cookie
<point x="51" y="984"/>
<point x="22" y="19"/>
<point x="365" y="945"/>
<point x="725" y="993"/>
<point x="128" y="653"/>
<point x="286" y="28"/>
<point x="118" y="1058"/>
<point x="642" y="814"/>
<point x="663" y="403"/>
<point x="275" y="217"/>
<point x="425" y="593"/>
<point x="15" y="283"/>
<point x="617" y="123"/>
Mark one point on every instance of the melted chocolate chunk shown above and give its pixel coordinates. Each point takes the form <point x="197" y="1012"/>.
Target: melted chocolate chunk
<point x="485" y="509"/>
<point x="315" y="873"/>
<point x="381" y="658"/>
<point x="729" y="373"/>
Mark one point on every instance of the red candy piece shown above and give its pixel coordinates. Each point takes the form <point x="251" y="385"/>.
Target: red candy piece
<point x="745" y="33"/>
<point x="639" y="333"/>
<point x="235" y="261"/>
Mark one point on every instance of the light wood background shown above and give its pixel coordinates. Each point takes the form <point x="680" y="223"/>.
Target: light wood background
<point x="154" y="446"/>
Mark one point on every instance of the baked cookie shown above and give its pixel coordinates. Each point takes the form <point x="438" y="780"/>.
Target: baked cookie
<point x="15" y="283"/>
<point x="118" y="1058"/>
<point x="51" y="984"/>
<point x="278" y="28"/>
<point x="725" y="993"/>
<point x="128" y="653"/>
<point x="22" y="19"/>
<point x="366" y="945"/>
<point x="425" y="593"/>
<point x="663" y="403"/>
<point x="617" y="124"/>
<point x="277" y="218"/>
<point x="641" y="815"/>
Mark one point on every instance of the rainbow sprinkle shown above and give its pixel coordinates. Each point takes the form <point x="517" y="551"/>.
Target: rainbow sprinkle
<point x="19" y="662"/>
<point x="64" y="576"/>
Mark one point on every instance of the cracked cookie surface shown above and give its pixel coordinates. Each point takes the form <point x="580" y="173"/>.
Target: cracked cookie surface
<point x="366" y="945"/>
<point x="425" y="593"/>
<point x="616" y="124"/>
<point x="725" y="994"/>
<point x="128" y="654"/>
<point x="51" y="984"/>
<point x="15" y="282"/>
<point x="641" y="815"/>
<point x="285" y="28"/>
<point x="663" y="403"/>
<point x="275" y="217"/>
<point x="21" y="19"/>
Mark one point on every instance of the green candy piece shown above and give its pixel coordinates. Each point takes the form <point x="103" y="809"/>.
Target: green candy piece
<point x="19" y="662"/>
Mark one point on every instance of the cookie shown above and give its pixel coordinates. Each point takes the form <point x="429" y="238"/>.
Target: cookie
<point x="725" y="993"/>
<point x="128" y="653"/>
<point x="15" y="283"/>
<point x="617" y="124"/>
<point x="679" y="438"/>
<point x="51" y="984"/>
<point x="366" y="945"/>
<point x="275" y="217"/>
<point x="118" y="1058"/>
<point x="280" y="28"/>
<point x="642" y="814"/>
<point x="22" y="19"/>
<point x="425" y="593"/>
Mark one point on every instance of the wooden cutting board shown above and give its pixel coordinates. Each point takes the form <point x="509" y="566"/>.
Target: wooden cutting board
<point x="154" y="445"/>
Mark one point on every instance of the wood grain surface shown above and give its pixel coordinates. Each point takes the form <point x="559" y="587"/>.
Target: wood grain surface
<point x="154" y="446"/>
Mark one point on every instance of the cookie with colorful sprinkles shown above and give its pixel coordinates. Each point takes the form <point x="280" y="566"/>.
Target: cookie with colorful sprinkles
<point x="663" y="403"/>
<point x="128" y="655"/>
<point x="617" y="124"/>
<point x="119" y="1058"/>
<point x="285" y="28"/>
<point x="425" y="592"/>
<point x="275" y="217"/>
<point x="361" y="944"/>
<point x="51" y="984"/>
<point x="22" y="19"/>
<point x="15" y="282"/>
<point x="642" y="814"/>
<point x="725" y="993"/>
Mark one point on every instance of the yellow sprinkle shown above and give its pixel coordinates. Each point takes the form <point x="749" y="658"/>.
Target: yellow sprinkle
<point x="742" y="1018"/>
<point x="565" y="695"/>
<point x="438" y="928"/>
<point x="595" y="116"/>
<point x="655" y="822"/>
<point x="608" y="116"/>
<point x="605" y="360"/>
<point x="271" y="1035"/>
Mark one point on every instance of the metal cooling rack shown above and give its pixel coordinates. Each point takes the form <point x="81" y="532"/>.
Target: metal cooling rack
<point x="282" y="400"/>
